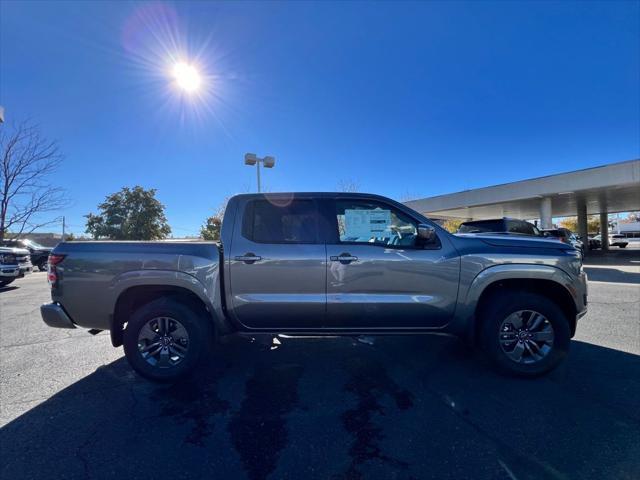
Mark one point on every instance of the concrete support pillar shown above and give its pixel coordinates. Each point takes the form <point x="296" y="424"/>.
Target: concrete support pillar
<point x="545" y="213"/>
<point x="604" y="229"/>
<point x="582" y="223"/>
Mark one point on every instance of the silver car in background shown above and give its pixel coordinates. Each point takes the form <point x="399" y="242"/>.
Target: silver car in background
<point x="14" y="263"/>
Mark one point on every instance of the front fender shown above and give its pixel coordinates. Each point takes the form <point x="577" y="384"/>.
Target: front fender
<point x="470" y="294"/>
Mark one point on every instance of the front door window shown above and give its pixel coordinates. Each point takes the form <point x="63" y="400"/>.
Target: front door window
<point x="362" y="222"/>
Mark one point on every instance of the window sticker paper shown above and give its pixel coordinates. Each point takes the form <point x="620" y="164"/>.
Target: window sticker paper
<point x="367" y="223"/>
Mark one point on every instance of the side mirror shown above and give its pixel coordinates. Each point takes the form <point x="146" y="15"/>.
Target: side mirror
<point x="426" y="234"/>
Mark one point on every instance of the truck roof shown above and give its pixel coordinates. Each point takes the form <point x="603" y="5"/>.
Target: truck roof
<point x="310" y="195"/>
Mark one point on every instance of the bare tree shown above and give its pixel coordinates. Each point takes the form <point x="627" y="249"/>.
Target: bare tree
<point x="407" y="196"/>
<point x="27" y="161"/>
<point x="348" y="185"/>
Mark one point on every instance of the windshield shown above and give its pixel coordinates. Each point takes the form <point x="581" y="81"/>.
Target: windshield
<point x="32" y="244"/>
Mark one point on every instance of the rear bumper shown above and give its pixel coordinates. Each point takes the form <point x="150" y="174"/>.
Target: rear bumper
<point x="55" y="316"/>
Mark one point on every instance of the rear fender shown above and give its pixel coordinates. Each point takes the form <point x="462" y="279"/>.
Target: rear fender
<point x="208" y="293"/>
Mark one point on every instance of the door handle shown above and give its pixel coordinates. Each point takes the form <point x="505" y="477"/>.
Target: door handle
<point x="248" y="258"/>
<point x="343" y="258"/>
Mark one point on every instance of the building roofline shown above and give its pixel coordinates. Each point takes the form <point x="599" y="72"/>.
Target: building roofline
<point x="525" y="180"/>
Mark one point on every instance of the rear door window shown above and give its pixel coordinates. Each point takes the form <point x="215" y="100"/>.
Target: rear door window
<point x="267" y="222"/>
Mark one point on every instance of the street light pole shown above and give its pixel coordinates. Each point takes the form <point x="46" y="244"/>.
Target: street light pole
<point x="258" y="174"/>
<point x="252" y="159"/>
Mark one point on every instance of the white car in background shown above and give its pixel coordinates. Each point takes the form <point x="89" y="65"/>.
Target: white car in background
<point x="615" y="240"/>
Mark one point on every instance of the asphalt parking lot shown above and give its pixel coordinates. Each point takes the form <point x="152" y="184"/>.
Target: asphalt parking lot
<point x="402" y="408"/>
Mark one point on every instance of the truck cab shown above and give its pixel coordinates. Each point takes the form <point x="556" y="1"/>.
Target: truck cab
<point x="347" y="263"/>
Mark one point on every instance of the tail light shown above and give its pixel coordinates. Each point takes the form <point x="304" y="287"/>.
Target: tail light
<point x="52" y="273"/>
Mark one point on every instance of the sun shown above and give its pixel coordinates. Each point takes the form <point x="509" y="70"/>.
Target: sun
<point x="187" y="77"/>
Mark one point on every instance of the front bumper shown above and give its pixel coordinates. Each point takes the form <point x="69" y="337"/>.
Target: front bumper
<point x="25" y="269"/>
<point x="55" y="316"/>
<point x="581" y="296"/>
<point x="10" y="271"/>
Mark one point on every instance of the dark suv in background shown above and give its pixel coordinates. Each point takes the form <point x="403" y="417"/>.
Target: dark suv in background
<point x="500" y="225"/>
<point x="567" y="236"/>
<point x="39" y="254"/>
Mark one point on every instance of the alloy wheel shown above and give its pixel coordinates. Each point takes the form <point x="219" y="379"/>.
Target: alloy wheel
<point x="526" y="336"/>
<point x="163" y="342"/>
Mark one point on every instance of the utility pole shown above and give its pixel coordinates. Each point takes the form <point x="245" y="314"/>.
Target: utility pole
<point x="63" y="228"/>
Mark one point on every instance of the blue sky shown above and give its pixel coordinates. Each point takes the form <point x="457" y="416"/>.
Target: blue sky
<point x="406" y="99"/>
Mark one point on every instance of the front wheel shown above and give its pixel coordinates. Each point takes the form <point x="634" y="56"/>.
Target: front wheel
<point x="166" y="339"/>
<point x="525" y="334"/>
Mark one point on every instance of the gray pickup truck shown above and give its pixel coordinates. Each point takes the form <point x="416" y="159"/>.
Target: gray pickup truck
<point x="322" y="264"/>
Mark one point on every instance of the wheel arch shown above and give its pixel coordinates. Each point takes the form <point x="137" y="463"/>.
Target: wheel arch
<point x="135" y="297"/>
<point x="548" y="288"/>
<point x="547" y="280"/>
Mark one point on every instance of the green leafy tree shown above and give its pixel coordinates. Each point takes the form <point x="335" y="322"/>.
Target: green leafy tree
<point x="210" y="231"/>
<point x="130" y="214"/>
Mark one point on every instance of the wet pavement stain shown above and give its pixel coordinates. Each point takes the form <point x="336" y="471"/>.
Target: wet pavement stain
<point x="369" y="382"/>
<point x="258" y="430"/>
<point x="193" y="400"/>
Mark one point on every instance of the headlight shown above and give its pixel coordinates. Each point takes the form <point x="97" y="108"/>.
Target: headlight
<point x="575" y="263"/>
<point x="7" y="258"/>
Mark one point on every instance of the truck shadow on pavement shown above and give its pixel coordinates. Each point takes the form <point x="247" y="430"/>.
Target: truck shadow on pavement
<point x="405" y="407"/>
<point x="602" y="274"/>
<point x="8" y="288"/>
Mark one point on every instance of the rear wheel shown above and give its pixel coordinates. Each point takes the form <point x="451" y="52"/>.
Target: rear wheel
<point x="525" y="334"/>
<point x="166" y="339"/>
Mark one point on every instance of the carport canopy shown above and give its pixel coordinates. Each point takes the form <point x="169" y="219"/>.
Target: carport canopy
<point x="599" y="190"/>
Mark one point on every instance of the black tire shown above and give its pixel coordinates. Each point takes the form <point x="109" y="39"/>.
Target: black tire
<point x="4" y="283"/>
<point x="499" y="309"/>
<point x="199" y="333"/>
<point x="43" y="267"/>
